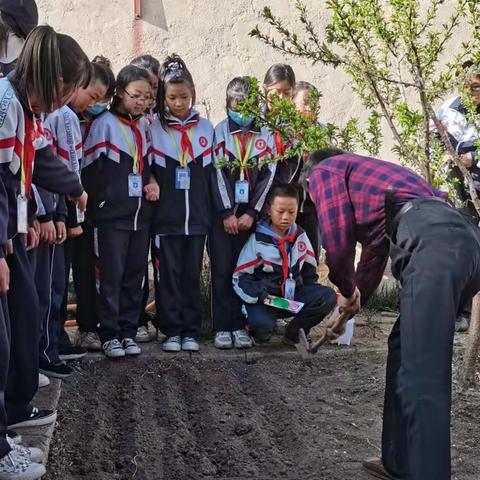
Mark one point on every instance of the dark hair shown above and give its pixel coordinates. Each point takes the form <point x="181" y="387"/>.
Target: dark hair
<point x="46" y="59"/>
<point x="238" y="90"/>
<point x="303" y="86"/>
<point x="279" y="72"/>
<point x="103" y="74"/>
<point x="127" y="75"/>
<point x="102" y="61"/>
<point x="20" y="16"/>
<point x="283" y="190"/>
<point x="314" y="159"/>
<point x="173" y="71"/>
<point x="147" y="62"/>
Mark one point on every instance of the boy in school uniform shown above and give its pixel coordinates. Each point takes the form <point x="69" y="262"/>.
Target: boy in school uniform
<point x="278" y="260"/>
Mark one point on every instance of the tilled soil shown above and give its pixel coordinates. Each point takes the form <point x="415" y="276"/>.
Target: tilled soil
<point x="219" y="417"/>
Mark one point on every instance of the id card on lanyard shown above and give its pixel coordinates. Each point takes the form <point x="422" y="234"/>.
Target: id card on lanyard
<point x="135" y="183"/>
<point x="182" y="173"/>
<point x="242" y="187"/>
<point x="290" y="286"/>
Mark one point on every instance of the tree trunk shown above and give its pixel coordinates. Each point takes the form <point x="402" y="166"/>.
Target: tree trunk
<point x="468" y="372"/>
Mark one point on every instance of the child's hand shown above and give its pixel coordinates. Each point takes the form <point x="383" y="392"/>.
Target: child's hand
<point x="9" y="248"/>
<point x="4" y="276"/>
<point x="48" y="233"/>
<point x="152" y="192"/>
<point x="245" y="222"/>
<point x="32" y="239"/>
<point x="75" y="232"/>
<point x="230" y="225"/>
<point x="61" y="232"/>
<point x="81" y="201"/>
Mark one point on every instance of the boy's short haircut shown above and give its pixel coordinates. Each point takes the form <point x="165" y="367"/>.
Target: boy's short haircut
<point x="302" y="86"/>
<point x="283" y="190"/>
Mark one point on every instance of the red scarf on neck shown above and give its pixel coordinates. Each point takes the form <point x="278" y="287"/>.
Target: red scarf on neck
<point x="283" y="251"/>
<point x="186" y="144"/>
<point x="133" y="124"/>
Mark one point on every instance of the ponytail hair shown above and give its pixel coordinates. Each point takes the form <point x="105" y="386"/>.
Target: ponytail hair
<point x="279" y="72"/>
<point x="48" y="59"/>
<point x="172" y="71"/>
<point x="148" y="63"/>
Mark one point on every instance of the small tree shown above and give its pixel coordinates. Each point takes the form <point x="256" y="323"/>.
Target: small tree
<point x="392" y="51"/>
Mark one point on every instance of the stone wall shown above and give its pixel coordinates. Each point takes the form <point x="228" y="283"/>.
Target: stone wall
<point x="212" y="37"/>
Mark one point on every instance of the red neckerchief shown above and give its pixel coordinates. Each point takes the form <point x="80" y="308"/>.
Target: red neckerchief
<point x="280" y="146"/>
<point x="185" y="143"/>
<point x="29" y="149"/>
<point x="243" y="139"/>
<point x="133" y="124"/>
<point x="283" y="251"/>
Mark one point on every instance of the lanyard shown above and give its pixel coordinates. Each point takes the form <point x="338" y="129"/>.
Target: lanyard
<point x="133" y="153"/>
<point x="182" y="155"/>
<point x="244" y="148"/>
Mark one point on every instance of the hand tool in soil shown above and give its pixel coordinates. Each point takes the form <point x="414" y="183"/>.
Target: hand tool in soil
<point x="307" y="349"/>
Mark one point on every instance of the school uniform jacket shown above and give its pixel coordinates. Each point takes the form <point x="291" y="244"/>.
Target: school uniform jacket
<point x="22" y="139"/>
<point x="182" y="212"/>
<point x="224" y="179"/>
<point x="262" y="269"/>
<point x="288" y="171"/>
<point x="107" y="164"/>
<point x="62" y="130"/>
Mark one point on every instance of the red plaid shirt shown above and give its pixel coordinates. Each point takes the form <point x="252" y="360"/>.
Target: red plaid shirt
<point x="349" y="195"/>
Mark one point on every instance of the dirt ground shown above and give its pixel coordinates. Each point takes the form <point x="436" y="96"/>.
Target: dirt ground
<point x="224" y="416"/>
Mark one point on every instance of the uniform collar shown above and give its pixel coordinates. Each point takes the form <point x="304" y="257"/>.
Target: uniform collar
<point x="192" y="118"/>
<point x="234" y="127"/>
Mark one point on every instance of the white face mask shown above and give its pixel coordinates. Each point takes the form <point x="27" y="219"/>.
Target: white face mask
<point x="13" y="48"/>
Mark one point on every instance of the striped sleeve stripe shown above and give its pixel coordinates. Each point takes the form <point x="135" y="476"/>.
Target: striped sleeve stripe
<point x="98" y="146"/>
<point x="246" y="266"/>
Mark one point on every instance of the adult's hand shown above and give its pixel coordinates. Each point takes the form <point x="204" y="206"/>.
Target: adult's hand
<point x="350" y="305"/>
<point x="32" y="239"/>
<point x="48" y="233"/>
<point x="245" y="222"/>
<point x="61" y="232"/>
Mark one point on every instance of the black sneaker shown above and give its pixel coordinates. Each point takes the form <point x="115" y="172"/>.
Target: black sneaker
<point x="69" y="352"/>
<point x="56" y="370"/>
<point x="37" y="418"/>
<point x="14" y="437"/>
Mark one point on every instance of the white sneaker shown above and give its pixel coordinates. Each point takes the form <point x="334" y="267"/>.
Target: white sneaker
<point x="15" y="467"/>
<point x="143" y="335"/>
<point x="30" y="453"/>
<point x="130" y="347"/>
<point x="43" y="380"/>
<point x="113" y="349"/>
<point x="241" y="339"/>
<point x="223" y="340"/>
<point x="89" y="340"/>
<point x="172" y="344"/>
<point x="189" y="344"/>
<point x="160" y="336"/>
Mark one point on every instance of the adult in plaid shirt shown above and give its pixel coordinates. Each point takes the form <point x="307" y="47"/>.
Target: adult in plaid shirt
<point x="435" y="254"/>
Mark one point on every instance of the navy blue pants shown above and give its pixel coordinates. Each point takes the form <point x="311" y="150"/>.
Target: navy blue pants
<point x="4" y="357"/>
<point x="319" y="302"/>
<point x="50" y="283"/>
<point x="121" y="260"/>
<point x="177" y="285"/>
<point x="436" y="256"/>
<point x="22" y="297"/>
<point x="79" y="256"/>
<point x="224" y="250"/>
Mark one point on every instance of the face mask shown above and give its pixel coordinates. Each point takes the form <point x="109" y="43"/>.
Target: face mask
<point x="240" y="119"/>
<point x="97" y="109"/>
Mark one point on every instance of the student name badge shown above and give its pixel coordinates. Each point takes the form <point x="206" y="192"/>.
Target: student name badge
<point x="182" y="178"/>
<point x="241" y="191"/>
<point x="134" y="185"/>
<point x="290" y="285"/>
<point x="22" y="214"/>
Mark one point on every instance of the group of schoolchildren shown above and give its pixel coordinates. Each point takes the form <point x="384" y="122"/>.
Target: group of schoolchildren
<point x="96" y="175"/>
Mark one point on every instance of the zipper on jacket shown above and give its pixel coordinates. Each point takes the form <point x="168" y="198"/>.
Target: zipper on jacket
<point x="135" y="221"/>
<point x="187" y="212"/>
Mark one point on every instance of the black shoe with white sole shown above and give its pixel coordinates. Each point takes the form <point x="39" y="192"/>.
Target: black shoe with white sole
<point x="37" y="418"/>
<point x="69" y="352"/>
<point x="56" y="370"/>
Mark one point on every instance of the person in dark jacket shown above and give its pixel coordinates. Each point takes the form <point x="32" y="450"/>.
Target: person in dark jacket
<point x="240" y="185"/>
<point x="25" y="96"/>
<point x="435" y="254"/>
<point x="182" y="144"/>
<point x="116" y="174"/>
<point x="278" y="260"/>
